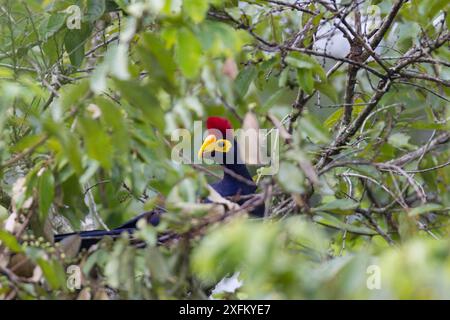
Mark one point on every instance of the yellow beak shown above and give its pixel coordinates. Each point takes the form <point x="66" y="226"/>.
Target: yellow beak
<point x="207" y="146"/>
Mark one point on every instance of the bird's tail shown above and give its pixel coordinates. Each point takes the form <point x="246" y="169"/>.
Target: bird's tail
<point x="89" y="238"/>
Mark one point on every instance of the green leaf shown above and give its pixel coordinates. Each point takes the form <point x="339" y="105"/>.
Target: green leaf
<point x="3" y="213"/>
<point x="329" y="90"/>
<point x="98" y="78"/>
<point x="218" y="39"/>
<point x="71" y="94"/>
<point x="291" y="177"/>
<point x="157" y="264"/>
<point x="114" y="63"/>
<point x="8" y="240"/>
<point x="274" y="98"/>
<point x="53" y="272"/>
<point x="298" y="63"/>
<point x="97" y="141"/>
<point x="330" y="221"/>
<point x="302" y="61"/>
<point x="429" y="207"/>
<point x="74" y="43"/>
<point x="407" y="226"/>
<point x="435" y="7"/>
<point x="306" y="80"/>
<point x="282" y="80"/>
<point x="341" y="206"/>
<point x="188" y="53"/>
<point x="117" y="60"/>
<point x="142" y="97"/>
<point x="95" y="9"/>
<point x="158" y="60"/>
<point x="334" y="118"/>
<point x="26" y="142"/>
<point x="427" y="126"/>
<point x="46" y="190"/>
<point x="53" y="25"/>
<point x="195" y="9"/>
<point x="337" y="115"/>
<point x="68" y="144"/>
<point x="313" y="129"/>
<point x="53" y="48"/>
<point x="73" y="152"/>
<point x="447" y="20"/>
<point x="113" y="118"/>
<point x="244" y="79"/>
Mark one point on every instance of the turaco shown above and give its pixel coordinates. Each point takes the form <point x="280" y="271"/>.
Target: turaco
<point x="221" y="145"/>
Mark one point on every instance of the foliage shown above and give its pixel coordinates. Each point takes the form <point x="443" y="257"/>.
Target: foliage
<point x="359" y="91"/>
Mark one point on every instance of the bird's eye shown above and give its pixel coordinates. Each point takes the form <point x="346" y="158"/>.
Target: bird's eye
<point x="222" y="146"/>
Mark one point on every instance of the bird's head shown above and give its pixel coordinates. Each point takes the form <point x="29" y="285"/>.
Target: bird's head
<point x="219" y="144"/>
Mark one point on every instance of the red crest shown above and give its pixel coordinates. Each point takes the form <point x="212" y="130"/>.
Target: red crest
<point x="219" y="123"/>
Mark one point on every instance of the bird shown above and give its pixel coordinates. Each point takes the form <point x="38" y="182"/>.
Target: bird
<point x="237" y="182"/>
